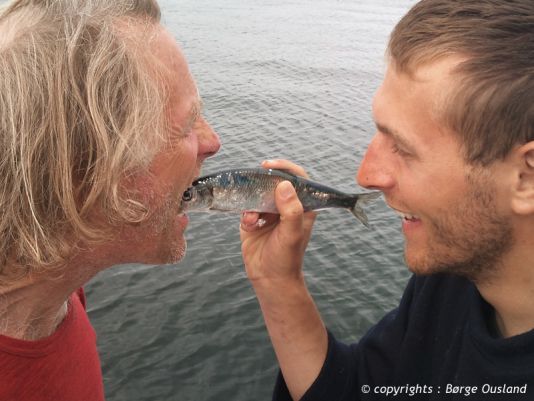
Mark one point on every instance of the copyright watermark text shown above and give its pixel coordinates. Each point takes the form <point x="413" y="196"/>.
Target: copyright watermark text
<point x="448" y="389"/>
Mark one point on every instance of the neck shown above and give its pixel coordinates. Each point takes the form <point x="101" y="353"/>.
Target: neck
<point x="511" y="293"/>
<point x="33" y="307"/>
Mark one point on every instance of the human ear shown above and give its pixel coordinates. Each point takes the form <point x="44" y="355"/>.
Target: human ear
<point x="523" y="200"/>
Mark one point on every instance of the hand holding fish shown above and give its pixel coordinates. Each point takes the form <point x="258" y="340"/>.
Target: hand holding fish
<point x="276" y="249"/>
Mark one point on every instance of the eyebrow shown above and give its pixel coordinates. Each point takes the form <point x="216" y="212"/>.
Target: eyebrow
<point x="195" y="112"/>
<point x="395" y="136"/>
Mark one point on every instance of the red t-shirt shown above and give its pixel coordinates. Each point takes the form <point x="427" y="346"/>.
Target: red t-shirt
<point x="62" y="367"/>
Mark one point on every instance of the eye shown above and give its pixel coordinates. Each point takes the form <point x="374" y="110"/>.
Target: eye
<point x="396" y="149"/>
<point x="187" y="196"/>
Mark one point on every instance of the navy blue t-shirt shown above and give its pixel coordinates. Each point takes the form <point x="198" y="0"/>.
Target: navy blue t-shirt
<point x="441" y="343"/>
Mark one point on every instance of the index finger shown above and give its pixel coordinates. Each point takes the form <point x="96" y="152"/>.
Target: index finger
<point x="282" y="164"/>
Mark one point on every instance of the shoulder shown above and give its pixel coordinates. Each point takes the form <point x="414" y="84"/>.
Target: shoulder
<point x="80" y="295"/>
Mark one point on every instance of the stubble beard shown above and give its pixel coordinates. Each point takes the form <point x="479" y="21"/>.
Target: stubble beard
<point x="471" y="239"/>
<point x="173" y="246"/>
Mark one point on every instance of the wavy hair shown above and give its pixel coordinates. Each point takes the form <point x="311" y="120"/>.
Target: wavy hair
<point x="80" y="110"/>
<point x="491" y="105"/>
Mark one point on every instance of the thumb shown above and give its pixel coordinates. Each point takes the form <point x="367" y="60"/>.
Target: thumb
<point x="291" y="214"/>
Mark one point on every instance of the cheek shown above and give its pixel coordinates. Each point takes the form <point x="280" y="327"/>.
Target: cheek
<point x="176" y="163"/>
<point x="185" y="152"/>
<point x="190" y="151"/>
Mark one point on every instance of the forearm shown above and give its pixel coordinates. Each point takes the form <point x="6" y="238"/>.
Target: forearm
<point x="273" y="257"/>
<point x="297" y="332"/>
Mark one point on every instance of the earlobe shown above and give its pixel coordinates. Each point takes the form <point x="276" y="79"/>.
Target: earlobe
<point x="523" y="200"/>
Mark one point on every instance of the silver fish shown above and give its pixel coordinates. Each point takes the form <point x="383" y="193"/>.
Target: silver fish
<point x="253" y="190"/>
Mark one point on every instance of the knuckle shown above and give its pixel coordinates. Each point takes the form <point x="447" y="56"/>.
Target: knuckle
<point x="294" y="211"/>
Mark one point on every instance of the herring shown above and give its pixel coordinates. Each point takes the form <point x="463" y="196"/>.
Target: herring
<point x="253" y="190"/>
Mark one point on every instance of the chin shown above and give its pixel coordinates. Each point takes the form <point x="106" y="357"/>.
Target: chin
<point x="176" y="253"/>
<point x="417" y="264"/>
<point x="423" y="265"/>
<point x="169" y="255"/>
<point x="421" y="270"/>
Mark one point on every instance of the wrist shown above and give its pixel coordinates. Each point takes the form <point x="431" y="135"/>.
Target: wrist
<point x="287" y="305"/>
<point x="281" y="289"/>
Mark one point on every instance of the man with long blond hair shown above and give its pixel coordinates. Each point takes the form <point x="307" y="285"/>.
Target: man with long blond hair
<point x="453" y="154"/>
<point x="100" y="133"/>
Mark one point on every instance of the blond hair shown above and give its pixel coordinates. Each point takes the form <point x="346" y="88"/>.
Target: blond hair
<point x="491" y="106"/>
<point x="79" y="111"/>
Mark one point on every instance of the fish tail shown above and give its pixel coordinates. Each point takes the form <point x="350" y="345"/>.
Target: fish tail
<point x="363" y="199"/>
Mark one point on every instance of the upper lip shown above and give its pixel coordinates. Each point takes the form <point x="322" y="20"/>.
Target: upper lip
<point x="403" y="213"/>
<point x="193" y="179"/>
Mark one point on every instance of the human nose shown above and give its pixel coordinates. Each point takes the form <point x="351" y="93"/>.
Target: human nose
<point x="375" y="169"/>
<point x="208" y="141"/>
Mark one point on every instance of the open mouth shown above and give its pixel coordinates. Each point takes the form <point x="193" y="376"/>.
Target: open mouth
<point x="407" y="216"/>
<point x="186" y="196"/>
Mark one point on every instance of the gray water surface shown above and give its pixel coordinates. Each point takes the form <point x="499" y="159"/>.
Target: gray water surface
<point x="279" y="79"/>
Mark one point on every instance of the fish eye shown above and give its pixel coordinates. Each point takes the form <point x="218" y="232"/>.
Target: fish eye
<point x="187" y="196"/>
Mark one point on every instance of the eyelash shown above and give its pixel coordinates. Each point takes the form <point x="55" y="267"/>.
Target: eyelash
<point x="190" y="128"/>
<point x="395" y="149"/>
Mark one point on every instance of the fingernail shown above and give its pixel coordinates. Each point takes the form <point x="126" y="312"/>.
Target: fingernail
<point x="286" y="190"/>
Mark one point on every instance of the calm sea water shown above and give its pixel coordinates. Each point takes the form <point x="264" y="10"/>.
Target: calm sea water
<point x="279" y="78"/>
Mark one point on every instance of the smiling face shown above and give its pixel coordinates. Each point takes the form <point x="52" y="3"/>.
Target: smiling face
<point x="452" y="217"/>
<point x="160" y="237"/>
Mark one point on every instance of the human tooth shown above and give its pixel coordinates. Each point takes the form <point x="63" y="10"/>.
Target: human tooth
<point x="410" y="217"/>
<point x="407" y="216"/>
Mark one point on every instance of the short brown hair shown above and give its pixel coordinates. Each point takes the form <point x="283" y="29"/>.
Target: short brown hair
<point x="79" y="111"/>
<point x="492" y="105"/>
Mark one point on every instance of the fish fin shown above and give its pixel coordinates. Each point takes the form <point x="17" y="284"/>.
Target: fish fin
<point x="364" y="199"/>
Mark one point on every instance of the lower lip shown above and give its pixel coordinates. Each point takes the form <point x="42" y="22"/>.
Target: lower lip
<point x="182" y="220"/>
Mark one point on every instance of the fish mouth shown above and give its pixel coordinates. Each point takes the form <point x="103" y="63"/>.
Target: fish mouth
<point x="185" y="197"/>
